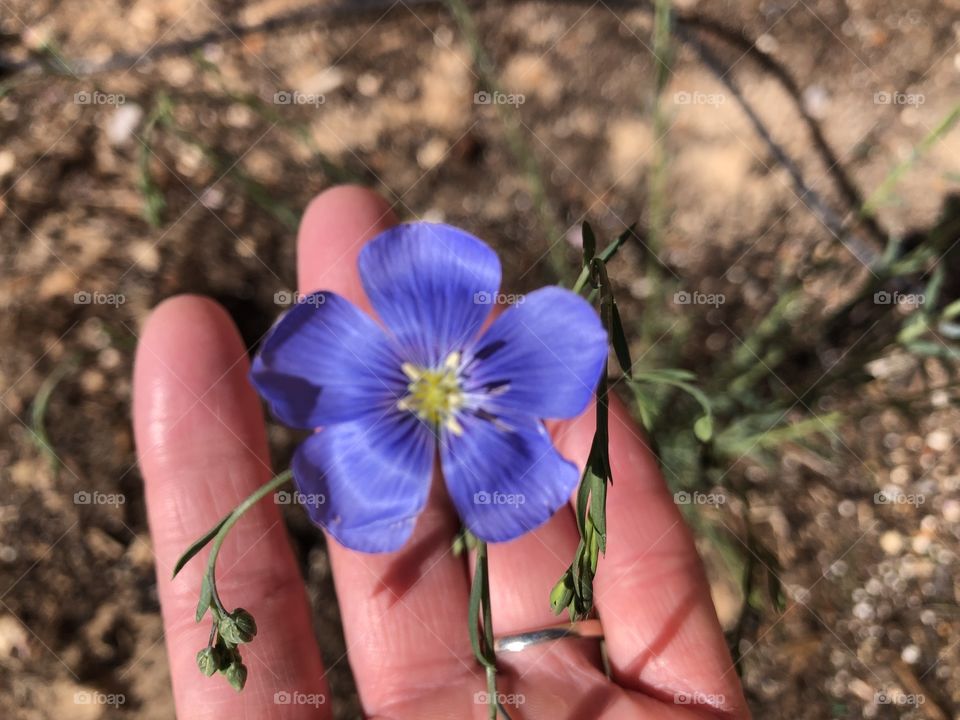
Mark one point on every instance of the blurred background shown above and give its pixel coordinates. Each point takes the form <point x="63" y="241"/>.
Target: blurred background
<point x="789" y="291"/>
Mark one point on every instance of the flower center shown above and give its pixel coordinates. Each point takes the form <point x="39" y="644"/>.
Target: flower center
<point x="434" y="394"/>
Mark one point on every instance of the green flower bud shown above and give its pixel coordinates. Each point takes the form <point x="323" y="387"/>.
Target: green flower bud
<point x="225" y="654"/>
<point x="236" y="675"/>
<point x="246" y="624"/>
<point x="561" y="595"/>
<point x="208" y="661"/>
<point x="237" y="627"/>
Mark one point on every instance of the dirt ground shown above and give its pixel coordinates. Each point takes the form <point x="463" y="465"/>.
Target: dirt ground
<point x="202" y="142"/>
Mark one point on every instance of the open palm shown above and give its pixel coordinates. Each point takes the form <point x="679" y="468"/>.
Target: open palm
<point x="202" y="448"/>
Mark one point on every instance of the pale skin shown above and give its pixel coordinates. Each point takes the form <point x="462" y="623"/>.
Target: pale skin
<point x="202" y="446"/>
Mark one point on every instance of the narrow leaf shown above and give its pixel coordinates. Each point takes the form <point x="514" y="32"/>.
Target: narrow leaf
<point x="206" y="597"/>
<point x="199" y="544"/>
<point x="621" y="347"/>
<point x="598" y="499"/>
<point x="589" y="243"/>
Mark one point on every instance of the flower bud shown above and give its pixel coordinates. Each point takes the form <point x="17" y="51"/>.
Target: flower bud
<point x="245" y="623"/>
<point x="236" y="675"/>
<point x="208" y="661"/>
<point x="561" y="595"/>
<point x="237" y="627"/>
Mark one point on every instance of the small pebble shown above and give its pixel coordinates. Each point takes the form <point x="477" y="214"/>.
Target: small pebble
<point x="891" y="542"/>
<point x="939" y="440"/>
<point x="951" y="511"/>
<point x="863" y="611"/>
<point x="432" y="153"/>
<point x="122" y="123"/>
<point x="900" y="475"/>
<point x="109" y="358"/>
<point x="8" y="161"/>
<point x="368" y="84"/>
<point x="910" y="654"/>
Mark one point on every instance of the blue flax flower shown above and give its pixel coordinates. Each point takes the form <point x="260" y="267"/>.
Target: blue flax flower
<point x="429" y="386"/>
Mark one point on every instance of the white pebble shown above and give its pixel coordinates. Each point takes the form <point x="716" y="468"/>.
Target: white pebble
<point x="891" y="542"/>
<point x="951" y="511"/>
<point x="910" y="654"/>
<point x="940" y="440"/>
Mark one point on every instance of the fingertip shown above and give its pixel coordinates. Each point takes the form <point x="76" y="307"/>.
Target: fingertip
<point x="334" y="227"/>
<point x="183" y="320"/>
<point x="186" y="345"/>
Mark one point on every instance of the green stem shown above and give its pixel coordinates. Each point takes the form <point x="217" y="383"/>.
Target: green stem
<point x="481" y="622"/>
<point x="231" y="520"/>
<point x="880" y="195"/>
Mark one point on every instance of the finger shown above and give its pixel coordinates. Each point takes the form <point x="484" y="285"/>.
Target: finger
<point x="202" y="449"/>
<point x="662" y="632"/>
<point x="404" y="613"/>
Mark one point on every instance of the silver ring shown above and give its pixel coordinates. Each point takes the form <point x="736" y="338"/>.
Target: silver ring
<point x="587" y="629"/>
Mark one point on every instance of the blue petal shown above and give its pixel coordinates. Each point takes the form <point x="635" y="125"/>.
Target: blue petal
<point x="542" y="357"/>
<point x="368" y="479"/>
<point x="432" y="286"/>
<point x="505" y="482"/>
<point x="325" y="362"/>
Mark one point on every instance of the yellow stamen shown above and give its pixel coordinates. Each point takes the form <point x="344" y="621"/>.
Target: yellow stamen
<point x="434" y="395"/>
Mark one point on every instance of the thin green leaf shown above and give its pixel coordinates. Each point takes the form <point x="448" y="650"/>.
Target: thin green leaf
<point x="474" y="622"/>
<point x="610" y="250"/>
<point x="934" y="349"/>
<point x="583" y="494"/>
<point x="206" y="598"/>
<point x="480" y="580"/>
<point x="664" y="373"/>
<point x="199" y="544"/>
<point x="618" y="338"/>
<point x="598" y="505"/>
<point x="932" y="291"/>
<point x="589" y="244"/>
<point x="952" y="310"/>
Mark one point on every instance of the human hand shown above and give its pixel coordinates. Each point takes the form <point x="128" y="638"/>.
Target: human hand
<point x="202" y="448"/>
